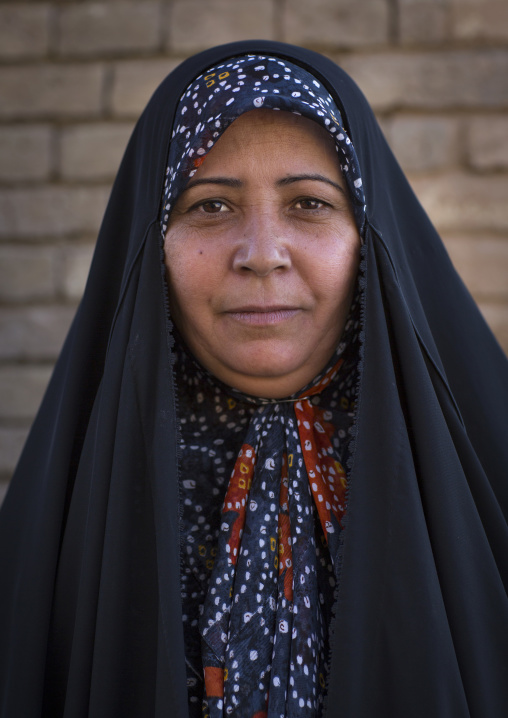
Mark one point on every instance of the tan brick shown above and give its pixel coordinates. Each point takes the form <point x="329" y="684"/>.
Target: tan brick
<point x="75" y="267"/>
<point x="109" y="28"/>
<point x="24" y="30"/>
<point x="33" y="332"/>
<point x="93" y="151"/>
<point x="488" y="142"/>
<point x="25" y="153"/>
<point x="496" y="316"/>
<point x="21" y="390"/>
<point x="134" y="82"/>
<point x="51" y="211"/>
<point x="479" y="19"/>
<point x="422" y="21"/>
<point x="26" y="273"/>
<point x="423" y="143"/>
<point x="44" y="91"/>
<point x="197" y="24"/>
<point x="463" y="202"/>
<point x="434" y="80"/>
<point x="336" y="23"/>
<point x="482" y="262"/>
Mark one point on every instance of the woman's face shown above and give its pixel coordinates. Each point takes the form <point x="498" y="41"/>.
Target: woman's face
<point x="262" y="252"/>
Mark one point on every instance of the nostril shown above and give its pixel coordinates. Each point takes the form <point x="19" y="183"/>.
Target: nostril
<point x="262" y="256"/>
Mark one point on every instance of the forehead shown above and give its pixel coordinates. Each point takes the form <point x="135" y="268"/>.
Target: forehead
<point x="277" y="121"/>
<point x="261" y="138"/>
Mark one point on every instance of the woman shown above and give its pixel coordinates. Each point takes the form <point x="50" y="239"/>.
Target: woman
<point x="229" y="327"/>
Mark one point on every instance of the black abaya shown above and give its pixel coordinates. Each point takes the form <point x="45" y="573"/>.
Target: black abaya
<point x="90" y="606"/>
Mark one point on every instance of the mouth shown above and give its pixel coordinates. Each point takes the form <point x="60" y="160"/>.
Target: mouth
<point x="263" y="315"/>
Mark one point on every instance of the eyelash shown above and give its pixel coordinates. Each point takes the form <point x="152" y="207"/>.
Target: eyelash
<point x="201" y="205"/>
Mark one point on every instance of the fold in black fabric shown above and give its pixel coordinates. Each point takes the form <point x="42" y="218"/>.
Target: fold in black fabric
<point x="90" y="608"/>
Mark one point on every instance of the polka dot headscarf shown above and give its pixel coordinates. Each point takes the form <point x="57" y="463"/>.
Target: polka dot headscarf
<point x="221" y="94"/>
<point x="258" y="588"/>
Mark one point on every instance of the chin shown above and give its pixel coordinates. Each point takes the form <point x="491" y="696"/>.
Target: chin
<point x="269" y="362"/>
<point x="265" y="371"/>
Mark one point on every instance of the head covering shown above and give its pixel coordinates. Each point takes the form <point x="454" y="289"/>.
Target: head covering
<point x="258" y="592"/>
<point x="224" y="92"/>
<point x="90" y="605"/>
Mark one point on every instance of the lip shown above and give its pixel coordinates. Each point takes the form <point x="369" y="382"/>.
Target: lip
<point x="263" y="315"/>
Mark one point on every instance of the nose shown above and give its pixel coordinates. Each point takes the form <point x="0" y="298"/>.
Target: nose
<point x="263" y="248"/>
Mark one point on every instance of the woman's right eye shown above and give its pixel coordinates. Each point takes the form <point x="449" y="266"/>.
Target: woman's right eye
<point x="211" y="206"/>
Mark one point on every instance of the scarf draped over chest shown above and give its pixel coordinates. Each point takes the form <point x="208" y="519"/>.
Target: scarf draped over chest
<point x="261" y="585"/>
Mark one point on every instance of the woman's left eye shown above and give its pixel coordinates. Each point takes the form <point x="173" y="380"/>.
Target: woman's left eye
<point x="310" y="203"/>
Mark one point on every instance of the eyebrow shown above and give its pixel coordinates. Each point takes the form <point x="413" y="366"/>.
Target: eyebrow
<point x="213" y="180"/>
<point x="314" y="177"/>
<point x="236" y="183"/>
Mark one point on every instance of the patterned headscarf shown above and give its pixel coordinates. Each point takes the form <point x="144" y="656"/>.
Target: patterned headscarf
<point x="223" y="93"/>
<point x="259" y="561"/>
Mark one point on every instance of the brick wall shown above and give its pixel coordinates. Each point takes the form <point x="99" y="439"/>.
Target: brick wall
<point x="75" y="75"/>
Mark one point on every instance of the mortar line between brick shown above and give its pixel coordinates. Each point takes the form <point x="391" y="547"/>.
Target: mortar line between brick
<point x="54" y="153"/>
<point x="278" y="13"/>
<point x="393" y="22"/>
<point x="53" y="31"/>
<point x="163" y="25"/>
<point x="167" y="10"/>
<point x="107" y="91"/>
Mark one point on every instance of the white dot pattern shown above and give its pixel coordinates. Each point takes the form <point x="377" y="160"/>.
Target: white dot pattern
<point x="258" y="578"/>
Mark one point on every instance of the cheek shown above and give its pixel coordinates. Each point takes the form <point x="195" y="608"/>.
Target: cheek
<point x="191" y="277"/>
<point x="334" y="270"/>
